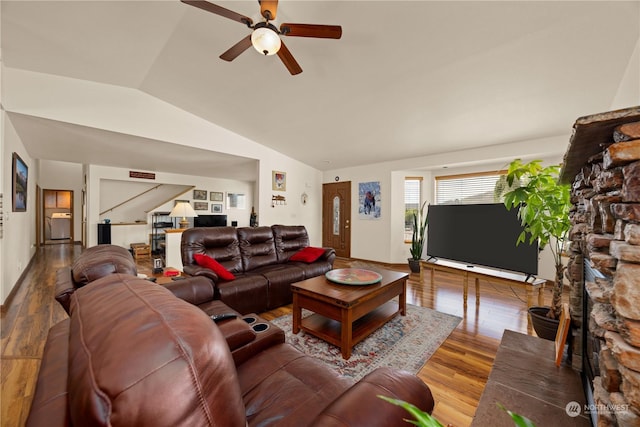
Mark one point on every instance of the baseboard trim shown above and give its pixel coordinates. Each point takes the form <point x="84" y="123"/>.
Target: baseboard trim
<point x="16" y="287"/>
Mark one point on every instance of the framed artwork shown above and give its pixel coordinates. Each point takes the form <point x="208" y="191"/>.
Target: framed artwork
<point x="200" y="195"/>
<point x="279" y="181"/>
<point x="216" y="196"/>
<point x="235" y="201"/>
<point x="201" y="206"/>
<point x="20" y="177"/>
<point x="216" y="207"/>
<point x="175" y="202"/>
<point x="369" y="200"/>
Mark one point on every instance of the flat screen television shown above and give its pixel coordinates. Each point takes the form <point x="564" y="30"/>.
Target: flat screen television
<point x="481" y="234"/>
<point x="210" y="221"/>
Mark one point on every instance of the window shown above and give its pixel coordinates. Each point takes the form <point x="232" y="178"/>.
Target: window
<point x="412" y="202"/>
<point x="483" y="187"/>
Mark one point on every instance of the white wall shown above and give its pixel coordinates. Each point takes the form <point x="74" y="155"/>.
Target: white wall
<point x="628" y="93"/>
<point x="383" y="240"/>
<point x="300" y="178"/>
<point x="131" y="111"/>
<point x="18" y="231"/>
<point x="54" y="175"/>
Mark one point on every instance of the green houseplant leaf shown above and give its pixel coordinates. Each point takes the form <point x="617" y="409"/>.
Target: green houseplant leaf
<point x="543" y="205"/>
<point x="420" y="220"/>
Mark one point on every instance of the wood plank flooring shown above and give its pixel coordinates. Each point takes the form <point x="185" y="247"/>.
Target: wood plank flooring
<point x="456" y="373"/>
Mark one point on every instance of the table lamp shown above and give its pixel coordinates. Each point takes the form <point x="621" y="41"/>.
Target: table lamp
<point x="183" y="210"/>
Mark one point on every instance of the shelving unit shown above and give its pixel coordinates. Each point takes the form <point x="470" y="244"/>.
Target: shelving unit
<point x="160" y="222"/>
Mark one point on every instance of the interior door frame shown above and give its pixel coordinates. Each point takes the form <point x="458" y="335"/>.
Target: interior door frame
<point x="330" y="190"/>
<point x="42" y="220"/>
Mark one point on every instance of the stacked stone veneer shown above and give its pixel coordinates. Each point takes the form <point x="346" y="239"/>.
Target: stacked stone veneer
<point x="606" y="234"/>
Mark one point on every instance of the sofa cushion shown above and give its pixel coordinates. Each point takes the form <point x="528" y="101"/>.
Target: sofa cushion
<point x="256" y="247"/>
<point x="140" y="356"/>
<point x="212" y="264"/>
<point x="220" y="243"/>
<point x="308" y="254"/>
<point x="289" y="239"/>
<point x="301" y="385"/>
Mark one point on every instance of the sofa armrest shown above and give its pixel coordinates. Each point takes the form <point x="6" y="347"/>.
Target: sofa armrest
<point x="64" y="287"/>
<point x="195" y="290"/>
<point x="329" y="255"/>
<point x="197" y="270"/>
<point x="237" y="332"/>
<point x="374" y="411"/>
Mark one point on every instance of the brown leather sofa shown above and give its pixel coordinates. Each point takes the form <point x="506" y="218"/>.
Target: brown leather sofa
<point x="132" y="354"/>
<point x="258" y="257"/>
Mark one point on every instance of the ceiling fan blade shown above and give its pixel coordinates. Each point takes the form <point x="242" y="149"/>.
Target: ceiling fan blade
<point x="235" y="50"/>
<point x="312" y="30"/>
<point x="219" y="10"/>
<point x="288" y="60"/>
<point x="268" y="9"/>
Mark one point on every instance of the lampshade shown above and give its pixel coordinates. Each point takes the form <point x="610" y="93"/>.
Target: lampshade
<point x="265" y="40"/>
<point x="183" y="210"/>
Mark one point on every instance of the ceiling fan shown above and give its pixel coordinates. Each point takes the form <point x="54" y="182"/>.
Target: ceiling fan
<point x="265" y="37"/>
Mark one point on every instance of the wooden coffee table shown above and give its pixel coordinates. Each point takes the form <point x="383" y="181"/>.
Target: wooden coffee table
<point x="347" y="314"/>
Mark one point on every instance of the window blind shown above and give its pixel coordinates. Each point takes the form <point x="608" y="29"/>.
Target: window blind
<point x="470" y="189"/>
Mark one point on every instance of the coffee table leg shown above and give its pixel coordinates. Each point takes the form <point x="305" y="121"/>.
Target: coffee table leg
<point x="402" y="299"/>
<point x="297" y="315"/>
<point x="346" y="335"/>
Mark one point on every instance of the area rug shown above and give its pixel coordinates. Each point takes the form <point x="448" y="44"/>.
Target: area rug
<point x="404" y="342"/>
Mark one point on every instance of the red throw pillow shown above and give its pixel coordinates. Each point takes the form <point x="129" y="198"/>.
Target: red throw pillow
<point x="212" y="264"/>
<point x="308" y="254"/>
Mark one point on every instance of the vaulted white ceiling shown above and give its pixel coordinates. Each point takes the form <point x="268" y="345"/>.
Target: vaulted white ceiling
<point x="407" y="79"/>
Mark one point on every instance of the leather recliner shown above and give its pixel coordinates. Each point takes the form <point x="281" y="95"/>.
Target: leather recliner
<point x="132" y="354"/>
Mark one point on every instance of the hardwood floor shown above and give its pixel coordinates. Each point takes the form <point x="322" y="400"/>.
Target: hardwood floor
<point x="456" y="373"/>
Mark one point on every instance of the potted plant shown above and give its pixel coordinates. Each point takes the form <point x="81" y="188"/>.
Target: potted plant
<point x="544" y="206"/>
<point x="419" y="219"/>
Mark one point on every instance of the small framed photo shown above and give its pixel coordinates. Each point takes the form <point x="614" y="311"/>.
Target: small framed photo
<point x="201" y="206"/>
<point x="279" y="181"/>
<point x="157" y="263"/>
<point x="216" y="207"/>
<point x="200" y="195"/>
<point x="175" y="202"/>
<point x="19" y="184"/>
<point x="216" y="196"/>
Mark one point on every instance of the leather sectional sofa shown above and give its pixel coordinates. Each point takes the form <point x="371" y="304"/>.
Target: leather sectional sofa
<point x="260" y="260"/>
<point x="132" y="354"/>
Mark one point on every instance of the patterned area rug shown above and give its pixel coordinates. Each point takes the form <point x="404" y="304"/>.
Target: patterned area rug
<point x="405" y="342"/>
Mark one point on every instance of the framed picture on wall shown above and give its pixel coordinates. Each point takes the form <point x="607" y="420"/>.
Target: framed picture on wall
<point x="235" y="201"/>
<point x="216" y="207"/>
<point x="20" y="173"/>
<point x="279" y="181"/>
<point x="216" y="196"/>
<point x="201" y="206"/>
<point x="200" y="195"/>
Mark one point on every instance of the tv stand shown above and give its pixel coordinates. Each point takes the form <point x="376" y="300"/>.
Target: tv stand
<point x="493" y="276"/>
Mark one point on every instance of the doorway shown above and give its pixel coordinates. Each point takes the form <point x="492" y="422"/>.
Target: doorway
<point x="57" y="216"/>
<point x="336" y="217"/>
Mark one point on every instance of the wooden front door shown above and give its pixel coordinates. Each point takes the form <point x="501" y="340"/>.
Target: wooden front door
<point x="336" y="217"/>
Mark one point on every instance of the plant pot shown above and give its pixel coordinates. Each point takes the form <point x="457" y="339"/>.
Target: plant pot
<point x="414" y="265"/>
<point x="545" y="328"/>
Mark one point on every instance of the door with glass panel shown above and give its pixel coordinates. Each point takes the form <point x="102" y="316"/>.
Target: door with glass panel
<point x="336" y="217"/>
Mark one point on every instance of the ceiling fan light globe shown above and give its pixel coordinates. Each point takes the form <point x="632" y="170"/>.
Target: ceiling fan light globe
<point x="266" y="41"/>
